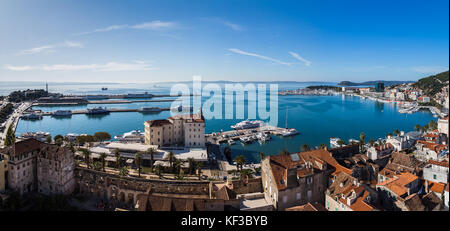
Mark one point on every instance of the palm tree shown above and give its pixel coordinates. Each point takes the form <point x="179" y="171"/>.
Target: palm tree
<point x="305" y="148"/>
<point x="262" y="155"/>
<point x="199" y="167"/>
<point x="137" y="161"/>
<point x="246" y="173"/>
<point x="158" y="170"/>
<point x="117" y="155"/>
<point x="171" y="159"/>
<point x="191" y="162"/>
<point x="371" y="142"/>
<point x="322" y="146"/>
<point x="417" y="127"/>
<point x="151" y="152"/>
<point x="97" y="166"/>
<point x="362" y="137"/>
<point x="86" y="154"/>
<point x="120" y="160"/>
<point x="240" y="161"/>
<point x="284" y="152"/>
<point x="103" y="160"/>
<point x="341" y="143"/>
<point x="123" y="171"/>
<point x="178" y="164"/>
<point x="396" y="132"/>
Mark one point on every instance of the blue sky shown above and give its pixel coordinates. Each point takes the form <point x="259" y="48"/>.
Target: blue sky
<point x="150" y="41"/>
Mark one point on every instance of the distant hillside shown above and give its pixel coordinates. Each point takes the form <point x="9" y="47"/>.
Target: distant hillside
<point x="367" y="83"/>
<point x="432" y="84"/>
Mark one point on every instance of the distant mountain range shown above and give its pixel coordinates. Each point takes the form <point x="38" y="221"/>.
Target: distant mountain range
<point x="372" y="83"/>
<point x="433" y="84"/>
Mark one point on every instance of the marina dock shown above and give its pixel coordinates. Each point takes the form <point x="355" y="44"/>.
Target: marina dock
<point x="110" y="110"/>
<point x="235" y="135"/>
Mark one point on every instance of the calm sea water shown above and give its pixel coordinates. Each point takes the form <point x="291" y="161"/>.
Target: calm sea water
<point x="317" y="118"/>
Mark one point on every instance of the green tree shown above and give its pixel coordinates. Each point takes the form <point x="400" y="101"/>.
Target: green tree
<point x="417" y="127"/>
<point x="117" y="155"/>
<point x="86" y="154"/>
<point x="48" y="139"/>
<point x="341" y="143"/>
<point x="151" y="152"/>
<point x="102" y="136"/>
<point x="159" y="169"/>
<point x="362" y="138"/>
<point x="262" y="155"/>
<point x="97" y="166"/>
<point x="371" y="142"/>
<point x="284" y="152"/>
<point x="137" y="161"/>
<point x="432" y="125"/>
<point x="123" y="171"/>
<point x="322" y="146"/>
<point x="396" y="132"/>
<point x="10" y="138"/>
<point x="178" y="164"/>
<point x="103" y="160"/>
<point x="58" y="137"/>
<point x="191" y="162"/>
<point x="305" y="148"/>
<point x="199" y="167"/>
<point x="240" y="161"/>
<point x="171" y="160"/>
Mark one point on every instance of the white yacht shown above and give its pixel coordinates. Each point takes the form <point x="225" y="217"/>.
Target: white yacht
<point x="262" y="136"/>
<point x="245" y="140"/>
<point x="133" y="136"/>
<point x="246" y="124"/>
<point x="289" y="132"/>
<point x="334" y="142"/>
<point x="231" y="142"/>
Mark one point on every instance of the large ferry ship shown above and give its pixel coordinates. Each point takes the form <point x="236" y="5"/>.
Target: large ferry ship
<point x="133" y="136"/>
<point x="150" y="109"/>
<point x="62" y="113"/>
<point x="31" y="116"/>
<point x="97" y="110"/>
<point x="246" y="124"/>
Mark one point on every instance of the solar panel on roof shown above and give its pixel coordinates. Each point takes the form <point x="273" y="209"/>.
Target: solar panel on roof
<point x="294" y="157"/>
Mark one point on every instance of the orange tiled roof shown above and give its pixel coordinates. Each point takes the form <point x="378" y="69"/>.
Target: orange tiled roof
<point x="398" y="183"/>
<point x="440" y="163"/>
<point x="281" y="163"/>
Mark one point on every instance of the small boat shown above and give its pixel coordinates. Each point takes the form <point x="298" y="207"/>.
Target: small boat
<point x="104" y="88"/>
<point x="262" y="137"/>
<point x="231" y="142"/>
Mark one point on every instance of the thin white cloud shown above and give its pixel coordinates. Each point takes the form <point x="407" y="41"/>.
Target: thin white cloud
<point x="111" y="66"/>
<point x="429" y="69"/>
<point x="298" y="57"/>
<point x="233" y="26"/>
<point x="51" y="48"/>
<point x="237" y="51"/>
<point x="153" y="25"/>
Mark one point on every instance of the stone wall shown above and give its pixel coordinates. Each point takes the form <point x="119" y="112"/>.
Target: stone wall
<point x="126" y="189"/>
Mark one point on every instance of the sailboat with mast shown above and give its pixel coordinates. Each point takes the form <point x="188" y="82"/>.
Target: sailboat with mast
<point x="288" y="131"/>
